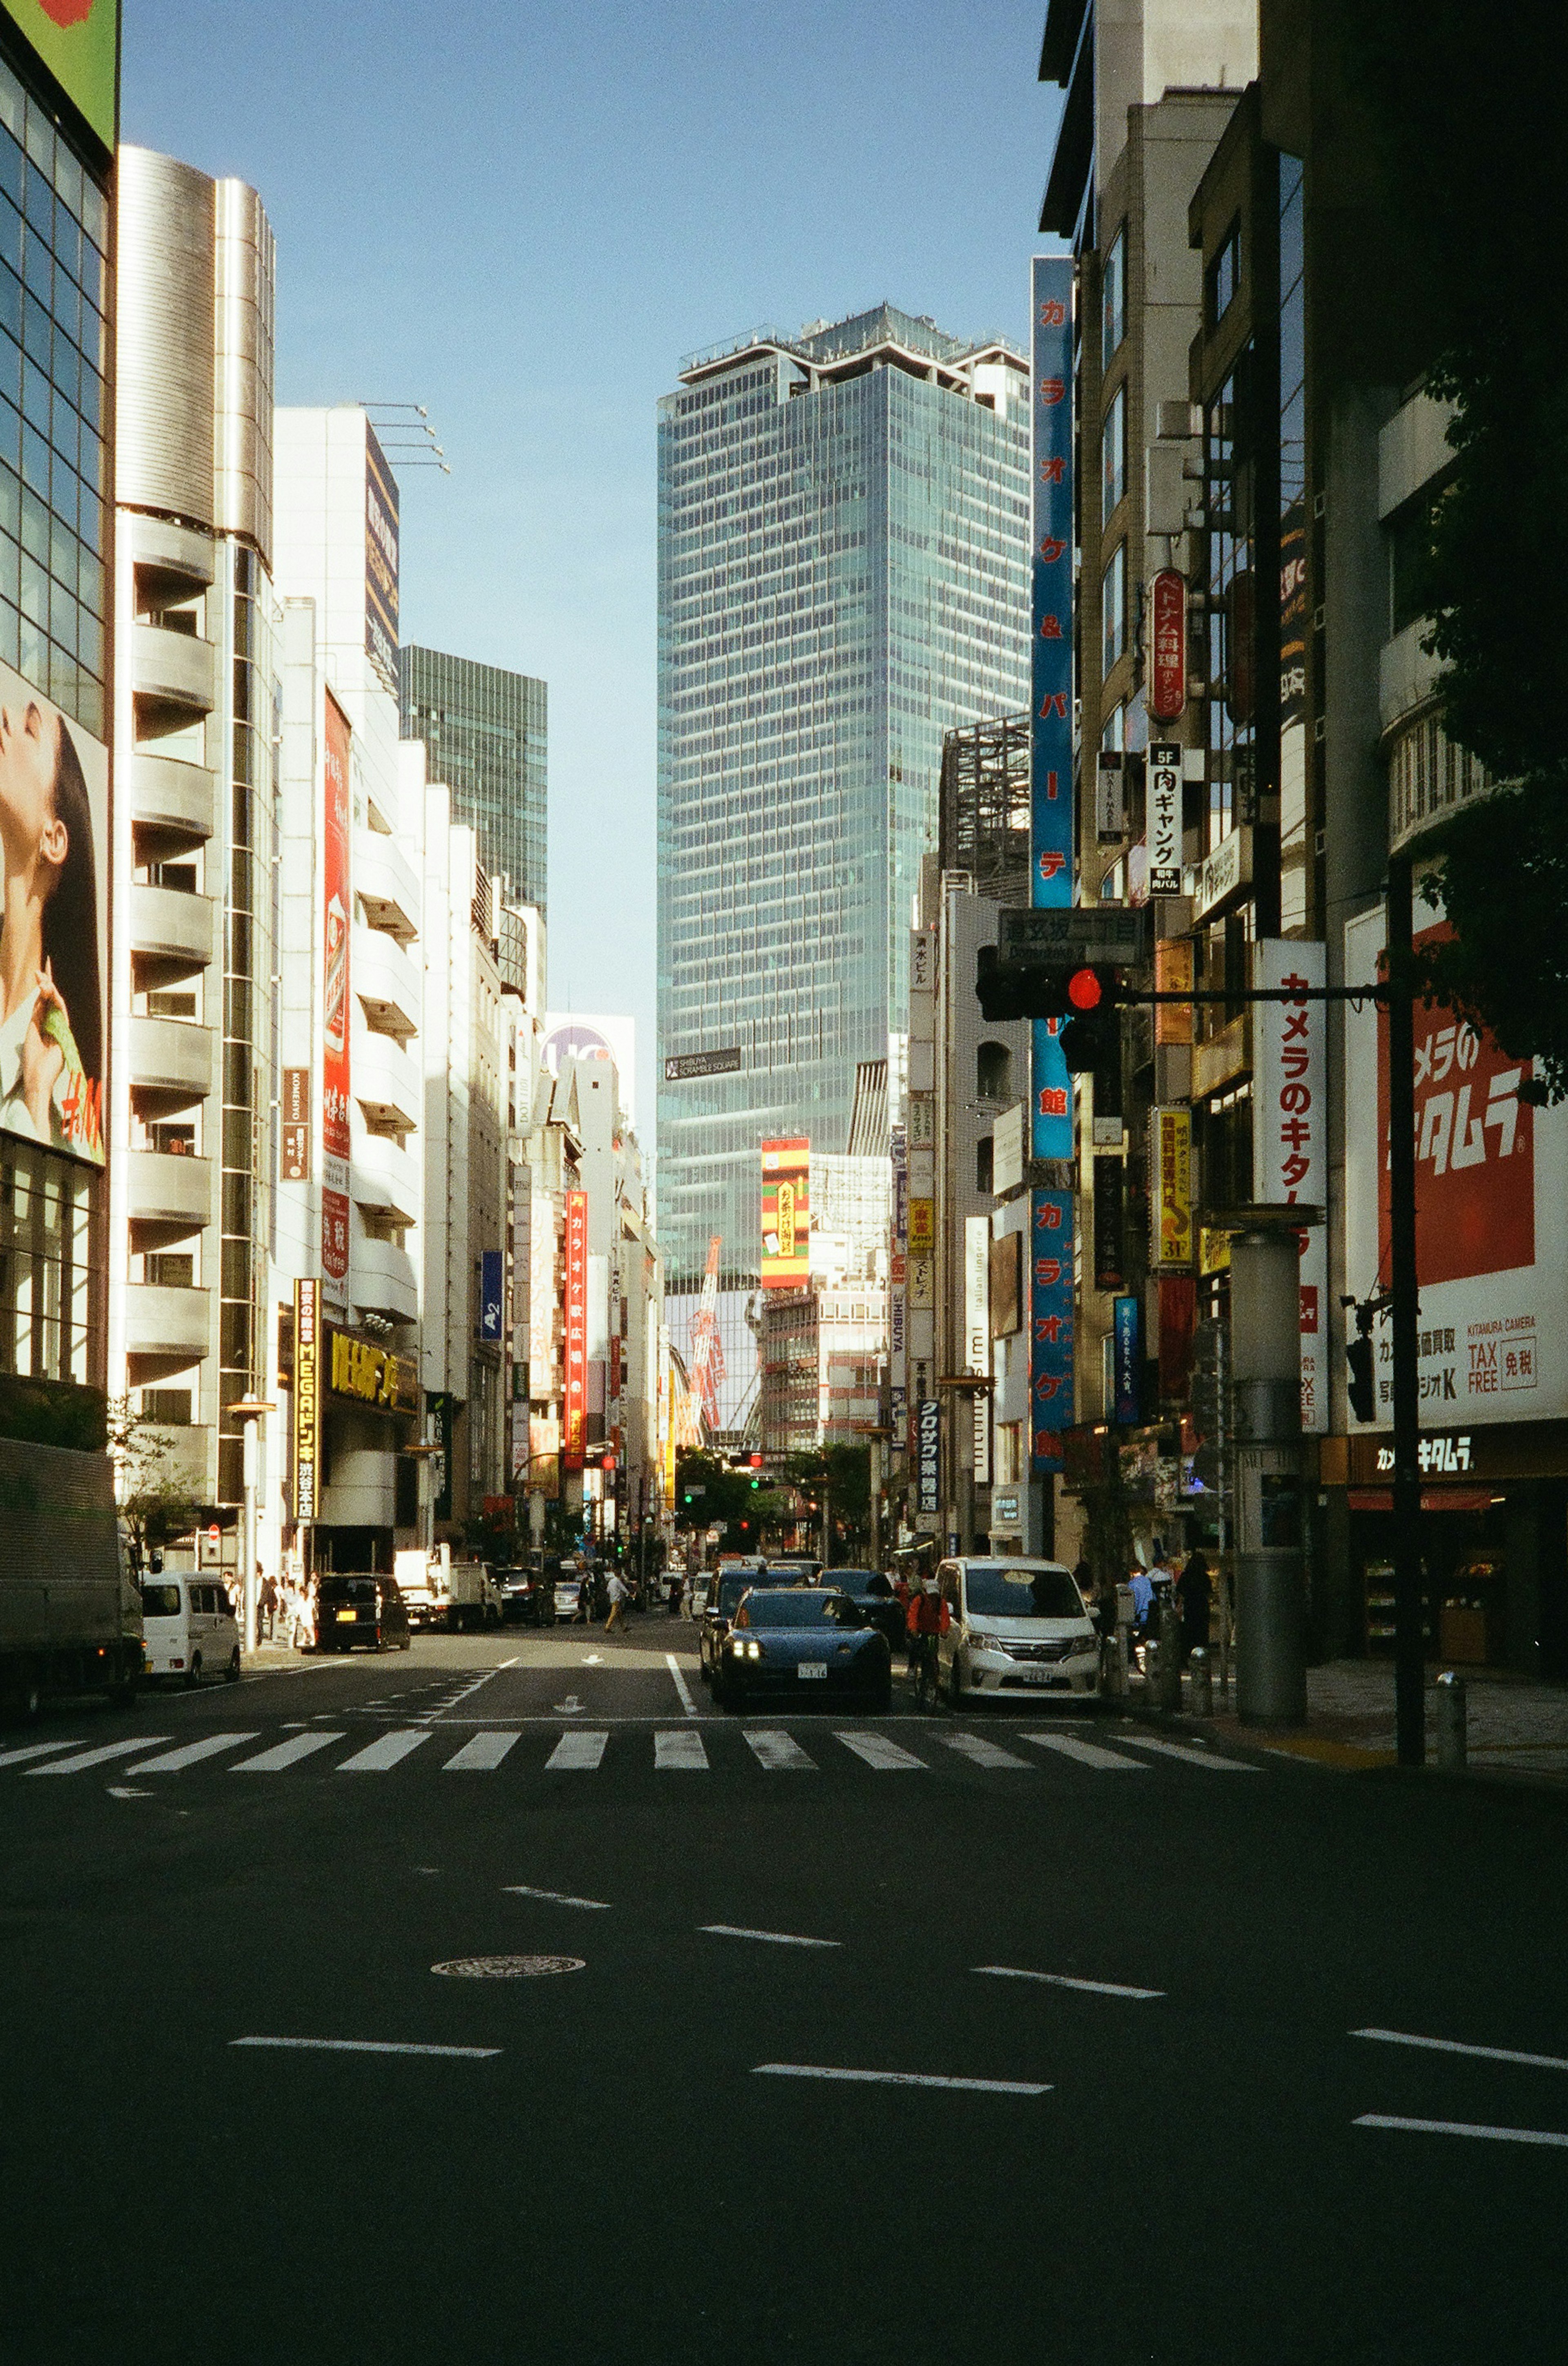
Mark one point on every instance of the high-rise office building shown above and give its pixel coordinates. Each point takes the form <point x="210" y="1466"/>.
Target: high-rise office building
<point x="843" y="523"/>
<point x="485" y="730"/>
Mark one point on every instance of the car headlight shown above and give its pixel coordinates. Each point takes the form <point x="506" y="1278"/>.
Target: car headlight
<point x="1080" y="1645"/>
<point x="753" y="1650"/>
<point x="981" y="1643"/>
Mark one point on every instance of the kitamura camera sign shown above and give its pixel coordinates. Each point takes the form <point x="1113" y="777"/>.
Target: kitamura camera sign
<point x="79" y="42"/>
<point x="1491" y="1210"/>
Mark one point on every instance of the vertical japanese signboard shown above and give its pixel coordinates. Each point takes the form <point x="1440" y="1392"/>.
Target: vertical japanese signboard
<point x="490" y="1294"/>
<point x="1290" y="1134"/>
<point x="1163" y="784"/>
<point x="576" y="1385"/>
<point x="786" y="1214"/>
<point x="337" y="902"/>
<point x="296" y="1160"/>
<point x="977" y="1332"/>
<point x="898" y="1291"/>
<point x="380" y="562"/>
<point x="306" y="1402"/>
<point x="1172" y="1243"/>
<point x="927" y="1455"/>
<point x="1051" y="667"/>
<point x="1167" y="646"/>
<point x="1127" y="1361"/>
<point x="1050" y="1327"/>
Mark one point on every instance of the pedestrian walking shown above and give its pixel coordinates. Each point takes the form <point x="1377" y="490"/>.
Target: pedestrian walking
<point x="1192" y="1595"/>
<point x="1142" y="1588"/>
<point x="677" y="1594"/>
<point x="269" y="1607"/>
<point x="619" y="1594"/>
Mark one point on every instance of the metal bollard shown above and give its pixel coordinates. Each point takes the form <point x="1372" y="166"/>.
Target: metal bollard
<point x="1452" y="1722"/>
<point x="1167" y="1684"/>
<point x="1203" y="1681"/>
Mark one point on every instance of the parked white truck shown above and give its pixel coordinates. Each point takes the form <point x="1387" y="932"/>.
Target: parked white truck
<point x="441" y="1592"/>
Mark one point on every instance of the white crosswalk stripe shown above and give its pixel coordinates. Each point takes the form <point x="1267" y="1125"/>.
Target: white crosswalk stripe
<point x="482" y="1755"/>
<point x="101" y="1756"/>
<point x="1088" y="1753"/>
<point x="981" y="1753"/>
<point x="379" y="1757"/>
<point x="777" y="1751"/>
<point x="878" y="1752"/>
<point x="576" y="1753"/>
<point x="682" y="1749"/>
<point x="191" y="1753"/>
<point x="1191" y="1754"/>
<point x="285" y="1753"/>
<point x="35" y="1749"/>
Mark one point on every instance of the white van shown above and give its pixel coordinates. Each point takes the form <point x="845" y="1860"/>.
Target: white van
<point x="189" y="1628"/>
<point x="1017" y="1626"/>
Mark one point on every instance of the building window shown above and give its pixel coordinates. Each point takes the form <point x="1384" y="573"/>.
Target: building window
<point x="1113" y="606"/>
<point x="1113" y="290"/>
<point x="1113" y="454"/>
<point x="985" y="1165"/>
<point x="993" y="1072"/>
<point x="1225" y="276"/>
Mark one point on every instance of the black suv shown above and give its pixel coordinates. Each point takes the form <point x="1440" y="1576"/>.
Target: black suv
<point x="365" y="1609"/>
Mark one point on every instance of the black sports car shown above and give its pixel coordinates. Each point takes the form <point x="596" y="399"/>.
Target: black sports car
<point x="806" y="1642"/>
<point x="875" y="1595"/>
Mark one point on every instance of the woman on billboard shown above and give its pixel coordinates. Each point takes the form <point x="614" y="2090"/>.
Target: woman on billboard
<point x="50" y="1014"/>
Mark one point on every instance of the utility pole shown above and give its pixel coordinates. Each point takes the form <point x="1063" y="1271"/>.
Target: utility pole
<point x="1409" y="1643"/>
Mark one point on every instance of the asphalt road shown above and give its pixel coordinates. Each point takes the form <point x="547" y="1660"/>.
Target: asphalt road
<point x="1140" y="1971"/>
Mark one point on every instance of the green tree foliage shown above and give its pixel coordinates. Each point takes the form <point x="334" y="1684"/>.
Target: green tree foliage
<point x="155" y="1506"/>
<point x="1466" y="108"/>
<point x="708" y="1493"/>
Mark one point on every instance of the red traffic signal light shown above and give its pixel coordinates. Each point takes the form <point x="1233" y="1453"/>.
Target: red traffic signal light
<point x="1085" y="991"/>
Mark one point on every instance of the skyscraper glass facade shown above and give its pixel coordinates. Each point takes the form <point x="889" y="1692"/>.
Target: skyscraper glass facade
<point x="843" y="542"/>
<point x="486" y="733"/>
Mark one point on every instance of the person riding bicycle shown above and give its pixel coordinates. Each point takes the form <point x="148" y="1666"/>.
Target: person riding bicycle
<point x="926" y="1617"/>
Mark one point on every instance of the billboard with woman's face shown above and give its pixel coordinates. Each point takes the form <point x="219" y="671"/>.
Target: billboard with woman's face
<point x="53" y="923"/>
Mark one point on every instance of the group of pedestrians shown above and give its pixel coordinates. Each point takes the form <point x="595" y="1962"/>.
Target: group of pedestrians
<point x="1149" y="1583"/>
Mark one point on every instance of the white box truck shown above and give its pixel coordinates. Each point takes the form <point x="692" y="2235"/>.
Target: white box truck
<point x="441" y="1592"/>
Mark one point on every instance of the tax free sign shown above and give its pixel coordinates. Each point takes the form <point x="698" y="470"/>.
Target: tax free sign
<point x="78" y="41"/>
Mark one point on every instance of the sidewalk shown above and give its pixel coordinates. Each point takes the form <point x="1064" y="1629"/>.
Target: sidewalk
<point x="1515" y="1727"/>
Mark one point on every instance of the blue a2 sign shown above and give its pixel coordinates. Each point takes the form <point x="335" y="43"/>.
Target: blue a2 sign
<point x="490" y="1289"/>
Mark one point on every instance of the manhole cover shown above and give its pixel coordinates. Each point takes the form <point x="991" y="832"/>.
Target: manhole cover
<point x="508" y="1967"/>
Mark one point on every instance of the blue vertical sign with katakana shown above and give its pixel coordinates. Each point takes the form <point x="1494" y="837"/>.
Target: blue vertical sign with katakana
<point x="1049" y="1326"/>
<point x="1050" y="838"/>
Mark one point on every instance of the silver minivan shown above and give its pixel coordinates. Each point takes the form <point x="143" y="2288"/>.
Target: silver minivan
<point x="189" y="1629"/>
<point x="1017" y="1627"/>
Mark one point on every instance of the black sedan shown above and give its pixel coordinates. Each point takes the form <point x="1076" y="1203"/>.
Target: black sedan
<point x="807" y="1644"/>
<point x="875" y="1596"/>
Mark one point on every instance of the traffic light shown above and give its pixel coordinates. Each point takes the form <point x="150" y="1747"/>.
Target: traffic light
<point x="1362" y="1387"/>
<point x="1091" y="1040"/>
<point x="1053" y="985"/>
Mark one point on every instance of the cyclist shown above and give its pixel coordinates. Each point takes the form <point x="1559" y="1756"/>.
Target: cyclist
<point x="926" y="1617"/>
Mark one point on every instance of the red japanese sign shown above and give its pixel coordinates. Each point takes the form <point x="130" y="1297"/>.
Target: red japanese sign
<point x="576" y="1329"/>
<point x="1168" y="645"/>
<point x="337" y="900"/>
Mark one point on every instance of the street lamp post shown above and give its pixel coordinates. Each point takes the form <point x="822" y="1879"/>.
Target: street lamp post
<point x="250" y="1409"/>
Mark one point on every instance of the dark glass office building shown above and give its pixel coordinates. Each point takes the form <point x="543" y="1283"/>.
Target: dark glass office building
<point x="486" y="733"/>
<point x="843" y="542"/>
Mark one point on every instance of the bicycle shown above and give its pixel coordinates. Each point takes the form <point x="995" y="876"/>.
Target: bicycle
<point x="923" y="1671"/>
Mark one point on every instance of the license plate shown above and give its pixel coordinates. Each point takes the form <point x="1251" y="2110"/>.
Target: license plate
<point x="812" y="1668"/>
<point x="350" y="1615"/>
<point x="1036" y="1675"/>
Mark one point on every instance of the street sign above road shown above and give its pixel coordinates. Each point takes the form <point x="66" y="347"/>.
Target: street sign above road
<point x="1117" y="934"/>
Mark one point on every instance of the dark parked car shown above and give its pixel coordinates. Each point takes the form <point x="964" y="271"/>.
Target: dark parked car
<point x="366" y="1610"/>
<point x="809" y="1642"/>
<point x="875" y="1595"/>
<point x="527" y="1597"/>
<point x="725" y="1587"/>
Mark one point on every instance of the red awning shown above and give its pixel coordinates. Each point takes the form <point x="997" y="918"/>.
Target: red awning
<point x="1433" y="1499"/>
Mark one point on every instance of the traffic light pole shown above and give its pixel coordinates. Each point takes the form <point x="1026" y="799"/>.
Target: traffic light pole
<point x="1409" y="1644"/>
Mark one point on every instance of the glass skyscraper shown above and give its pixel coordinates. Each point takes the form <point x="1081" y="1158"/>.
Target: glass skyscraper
<point x="843" y="544"/>
<point x="485" y="731"/>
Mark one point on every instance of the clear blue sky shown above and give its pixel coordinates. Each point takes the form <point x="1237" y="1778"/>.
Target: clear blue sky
<point x="523" y="216"/>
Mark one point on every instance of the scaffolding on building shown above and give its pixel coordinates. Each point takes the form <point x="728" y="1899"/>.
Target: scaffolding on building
<point x="985" y="806"/>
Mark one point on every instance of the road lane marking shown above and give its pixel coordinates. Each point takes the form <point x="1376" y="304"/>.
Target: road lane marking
<point x="125" y="1791"/>
<point x="285" y="1753"/>
<point x="687" y="1703"/>
<point x="1453" y="2046"/>
<point x="482" y="1755"/>
<point x="192" y="1754"/>
<point x="878" y="1752"/>
<point x="899" y="2078"/>
<point x="576" y="1753"/>
<point x="571" y="1706"/>
<point x="1190" y="1755"/>
<point x="1063" y="1980"/>
<point x="465" y="1694"/>
<point x="1088" y="1753"/>
<point x="559" y="1896"/>
<point x="773" y="1938"/>
<point x="777" y="1751"/>
<point x="35" y="1749"/>
<point x="379" y="1757"/>
<point x="368" y="2046"/>
<point x="680" y="1748"/>
<point x="981" y="1753"/>
<point x="516" y="1661"/>
<point x="1461" y="2128"/>
<point x="101" y="1756"/>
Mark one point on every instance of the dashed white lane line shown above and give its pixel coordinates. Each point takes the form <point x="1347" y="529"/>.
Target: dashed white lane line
<point x="1088" y="1753"/>
<point x="682" y="1748"/>
<point x="368" y="2046"/>
<point x="773" y="1938"/>
<point x="516" y="1661"/>
<point x="899" y="2078"/>
<point x="576" y="1753"/>
<point x="482" y="1755"/>
<point x="777" y="1751"/>
<point x="376" y="1757"/>
<point x="1063" y="1980"/>
<point x="558" y="1896"/>
<point x="885" y="1756"/>
<point x="285" y="1753"/>
<point x="1461" y="2128"/>
<point x="101" y="1756"/>
<point x="682" y="1686"/>
<point x="1453" y="2046"/>
<point x="35" y="1749"/>
<point x="1189" y="1756"/>
<point x="467" y="1692"/>
<point x="981" y="1753"/>
<point x="191" y="1753"/>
